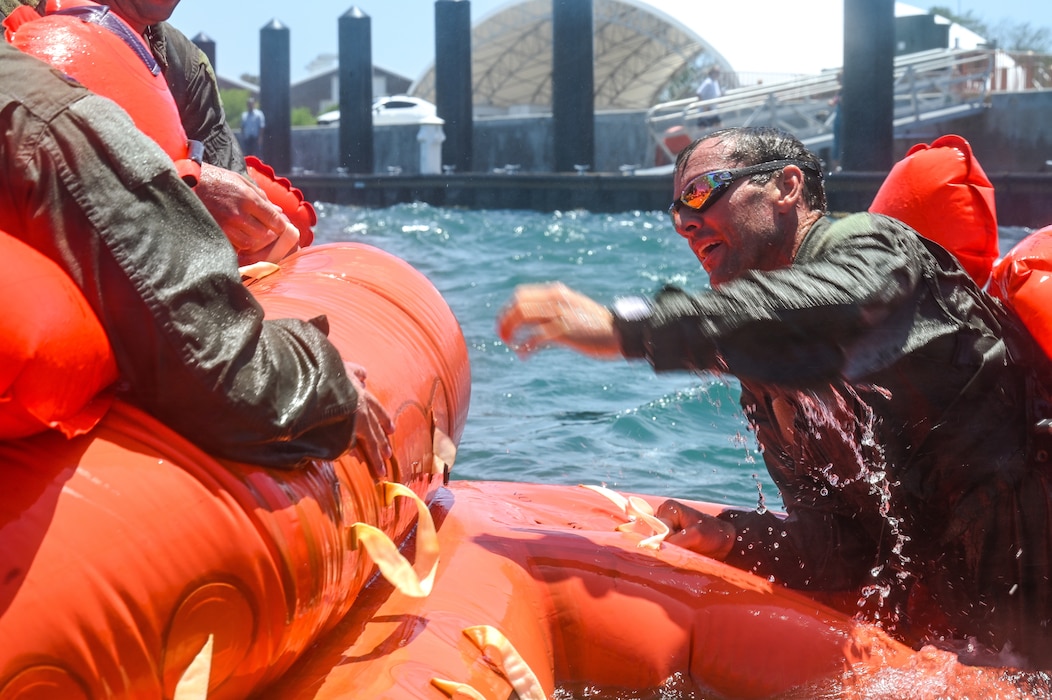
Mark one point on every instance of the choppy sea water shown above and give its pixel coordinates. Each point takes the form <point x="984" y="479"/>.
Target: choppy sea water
<point x="558" y="417"/>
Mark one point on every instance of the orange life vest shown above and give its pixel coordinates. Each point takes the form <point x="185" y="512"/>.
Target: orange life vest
<point x="942" y="192"/>
<point x="98" y="49"/>
<point x="1023" y="280"/>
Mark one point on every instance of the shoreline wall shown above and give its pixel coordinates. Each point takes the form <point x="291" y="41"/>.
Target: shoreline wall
<point x="1012" y="140"/>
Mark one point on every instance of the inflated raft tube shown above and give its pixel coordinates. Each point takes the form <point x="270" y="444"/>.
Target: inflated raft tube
<point x="126" y="549"/>
<point x="55" y="359"/>
<point x="942" y="192"/>
<point x="589" y="612"/>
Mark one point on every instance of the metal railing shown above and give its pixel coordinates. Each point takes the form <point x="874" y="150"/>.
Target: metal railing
<point x="929" y="85"/>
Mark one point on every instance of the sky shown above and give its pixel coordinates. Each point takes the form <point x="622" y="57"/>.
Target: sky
<point x="403" y="30"/>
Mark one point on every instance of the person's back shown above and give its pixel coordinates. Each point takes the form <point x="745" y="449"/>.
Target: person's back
<point x="252" y="124"/>
<point x="196" y="92"/>
<point x="709" y="90"/>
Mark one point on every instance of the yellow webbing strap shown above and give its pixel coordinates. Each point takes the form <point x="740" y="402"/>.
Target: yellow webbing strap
<point x="500" y="651"/>
<point x="456" y="690"/>
<point x="444" y="452"/>
<point x="193" y="685"/>
<point x="392" y="565"/>
<point x="258" y="270"/>
<point x="641" y="519"/>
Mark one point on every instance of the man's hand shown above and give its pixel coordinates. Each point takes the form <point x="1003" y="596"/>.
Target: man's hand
<point x="699" y="532"/>
<point x="540" y="315"/>
<point x="372" y="424"/>
<point x="257" y="229"/>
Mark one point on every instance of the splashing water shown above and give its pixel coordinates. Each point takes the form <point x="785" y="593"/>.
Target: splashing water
<point x="761" y="503"/>
<point x="841" y="413"/>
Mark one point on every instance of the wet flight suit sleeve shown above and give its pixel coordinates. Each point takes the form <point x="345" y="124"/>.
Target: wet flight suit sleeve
<point x="797" y="325"/>
<point x="83" y="186"/>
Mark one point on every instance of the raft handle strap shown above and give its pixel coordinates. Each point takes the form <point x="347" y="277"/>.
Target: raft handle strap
<point x="384" y="553"/>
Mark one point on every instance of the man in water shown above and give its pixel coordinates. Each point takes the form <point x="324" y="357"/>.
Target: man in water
<point x="83" y="186"/>
<point x="889" y="395"/>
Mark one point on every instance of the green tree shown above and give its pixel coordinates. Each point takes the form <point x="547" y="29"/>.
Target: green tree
<point x="234" y="102"/>
<point x="1022" y="36"/>
<point x="302" y="116"/>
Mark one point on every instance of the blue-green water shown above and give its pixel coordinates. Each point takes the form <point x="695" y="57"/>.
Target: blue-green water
<point x="559" y="417"/>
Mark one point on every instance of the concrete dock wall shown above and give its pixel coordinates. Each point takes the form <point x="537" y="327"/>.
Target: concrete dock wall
<point x="1012" y="139"/>
<point x="1014" y="135"/>
<point x="525" y="142"/>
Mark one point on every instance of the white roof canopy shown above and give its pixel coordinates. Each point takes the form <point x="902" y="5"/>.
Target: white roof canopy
<point x="642" y="45"/>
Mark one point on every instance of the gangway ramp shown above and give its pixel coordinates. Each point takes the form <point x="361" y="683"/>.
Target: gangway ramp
<point x="930" y="86"/>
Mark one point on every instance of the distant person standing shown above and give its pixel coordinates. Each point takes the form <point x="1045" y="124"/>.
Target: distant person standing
<point x="252" y="124"/>
<point x="709" y="90"/>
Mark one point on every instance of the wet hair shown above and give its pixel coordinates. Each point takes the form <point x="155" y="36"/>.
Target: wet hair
<point x="751" y="145"/>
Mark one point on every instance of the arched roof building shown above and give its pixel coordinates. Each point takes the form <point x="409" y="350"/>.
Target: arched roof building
<point x="649" y="50"/>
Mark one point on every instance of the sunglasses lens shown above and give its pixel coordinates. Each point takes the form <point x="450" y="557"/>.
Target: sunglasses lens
<point x="696" y="197"/>
<point x="698" y="192"/>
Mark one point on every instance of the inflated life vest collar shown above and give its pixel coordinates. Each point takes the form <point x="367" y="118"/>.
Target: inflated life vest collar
<point x="942" y="192"/>
<point x="100" y="14"/>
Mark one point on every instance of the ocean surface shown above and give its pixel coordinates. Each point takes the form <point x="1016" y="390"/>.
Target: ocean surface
<point x="558" y="417"/>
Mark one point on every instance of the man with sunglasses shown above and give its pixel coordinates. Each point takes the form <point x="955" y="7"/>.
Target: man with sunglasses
<point x="889" y="395"/>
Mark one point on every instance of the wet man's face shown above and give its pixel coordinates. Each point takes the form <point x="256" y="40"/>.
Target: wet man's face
<point x="739" y="230"/>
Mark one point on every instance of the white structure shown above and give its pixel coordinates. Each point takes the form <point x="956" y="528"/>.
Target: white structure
<point x="641" y="45"/>
<point x="431" y="136"/>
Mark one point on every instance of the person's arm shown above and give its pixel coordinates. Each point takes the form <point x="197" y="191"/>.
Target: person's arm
<point x="794" y="325"/>
<point x="258" y="230"/>
<point x="542" y="315"/>
<point x="190" y="341"/>
<point x="255" y="227"/>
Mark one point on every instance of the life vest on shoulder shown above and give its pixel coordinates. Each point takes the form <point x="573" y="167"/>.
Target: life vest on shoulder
<point x="55" y="358"/>
<point x="1023" y="280"/>
<point x="98" y="49"/>
<point x="941" y="191"/>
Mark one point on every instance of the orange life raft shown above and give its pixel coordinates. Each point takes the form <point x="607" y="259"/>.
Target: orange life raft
<point x="597" y="616"/>
<point x="129" y="555"/>
<point x="127" y="549"/>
